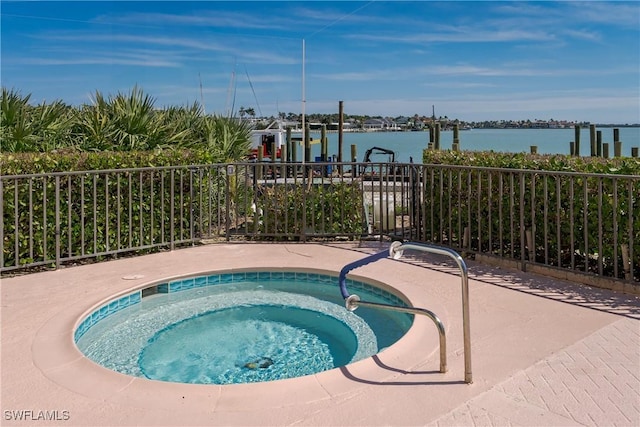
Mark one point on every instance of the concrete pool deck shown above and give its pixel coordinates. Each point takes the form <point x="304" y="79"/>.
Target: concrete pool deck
<point x="544" y="351"/>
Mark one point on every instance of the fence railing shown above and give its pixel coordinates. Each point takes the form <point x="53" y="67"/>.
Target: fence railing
<point x="581" y="222"/>
<point x="585" y="223"/>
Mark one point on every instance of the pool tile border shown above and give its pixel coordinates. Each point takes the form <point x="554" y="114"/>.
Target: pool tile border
<point x="178" y="285"/>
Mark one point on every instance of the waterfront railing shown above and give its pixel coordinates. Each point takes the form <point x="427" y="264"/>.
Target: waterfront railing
<point x="572" y="225"/>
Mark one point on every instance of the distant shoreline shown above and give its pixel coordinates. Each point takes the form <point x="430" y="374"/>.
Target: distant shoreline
<point x="426" y="130"/>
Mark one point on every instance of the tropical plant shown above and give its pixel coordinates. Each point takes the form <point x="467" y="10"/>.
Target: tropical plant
<point x="15" y="128"/>
<point x="185" y="125"/>
<point x="95" y="125"/>
<point x="227" y="139"/>
<point x="41" y="128"/>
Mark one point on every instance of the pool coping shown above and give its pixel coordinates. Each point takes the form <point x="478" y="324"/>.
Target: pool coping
<point x="525" y="330"/>
<point x="56" y="354"/>
<point x="135" y="295"/>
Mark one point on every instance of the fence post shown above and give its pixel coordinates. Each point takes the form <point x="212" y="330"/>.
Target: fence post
<point x="172" y="202"/>
<point x="230" y="170"/>
<point x="191" y="195"/>
<point x="57" y="229"/>
<point x="466" y="238"/>
<point x="340" y="132"/>
<point x="626" y="265"/>
<point x="531" y="253"/>
<point x="354" y="158"/>
<point x="2" y="223"/>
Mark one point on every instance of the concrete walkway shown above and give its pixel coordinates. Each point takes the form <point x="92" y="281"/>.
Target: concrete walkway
<point x="594" y="382"/>
<point x="545" y="352"/>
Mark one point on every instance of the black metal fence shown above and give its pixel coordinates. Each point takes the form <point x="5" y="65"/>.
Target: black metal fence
<point x="586" y="223"/>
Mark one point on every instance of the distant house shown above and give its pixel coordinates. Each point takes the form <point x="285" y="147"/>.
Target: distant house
<point x="379" y="124"/>
<point x="293" y="124"/>
<point x="403" y="122"/>
<point x="539" y="124"/>
<point x="333" y="126"/>
<point x="349" y="124"/>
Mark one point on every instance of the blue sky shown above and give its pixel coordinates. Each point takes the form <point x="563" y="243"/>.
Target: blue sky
<point x="472" y="60"/>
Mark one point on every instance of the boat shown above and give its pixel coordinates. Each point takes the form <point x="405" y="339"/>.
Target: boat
<point x="264" y="139"/>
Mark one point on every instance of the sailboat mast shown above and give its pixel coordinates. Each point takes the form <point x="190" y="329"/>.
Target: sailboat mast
<point x="204" y="109"/>
<point x="232" y="90"/>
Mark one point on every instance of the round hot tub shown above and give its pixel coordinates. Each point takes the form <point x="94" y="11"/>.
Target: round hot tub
<point x="239" y="327"/>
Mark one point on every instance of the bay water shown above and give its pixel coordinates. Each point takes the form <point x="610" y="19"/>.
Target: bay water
<point x="409" y="145"/>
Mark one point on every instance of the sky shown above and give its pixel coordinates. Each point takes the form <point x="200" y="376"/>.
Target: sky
<point x="467" y="60"/>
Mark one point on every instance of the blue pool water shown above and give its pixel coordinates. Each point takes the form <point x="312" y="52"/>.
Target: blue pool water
<point x="239" y="328"/>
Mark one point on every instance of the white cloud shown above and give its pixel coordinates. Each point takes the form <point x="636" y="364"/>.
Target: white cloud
<point x="113" y="60"/>
<point x="462" y="35"/>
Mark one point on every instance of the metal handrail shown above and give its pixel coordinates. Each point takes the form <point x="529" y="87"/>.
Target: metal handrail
<point x="353" y="302"/>
<point x="396" y="250"/>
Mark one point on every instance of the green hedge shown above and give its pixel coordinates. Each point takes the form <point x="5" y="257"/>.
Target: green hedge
<point x="570" y="220"/>
<point x="289" y="211"/>
<point x="563" y="163"/>
<point x="140" y="209"/>
<point x="68" y="161"/>
<point x="475" y="190"/>
<point x="102" y="213"/>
